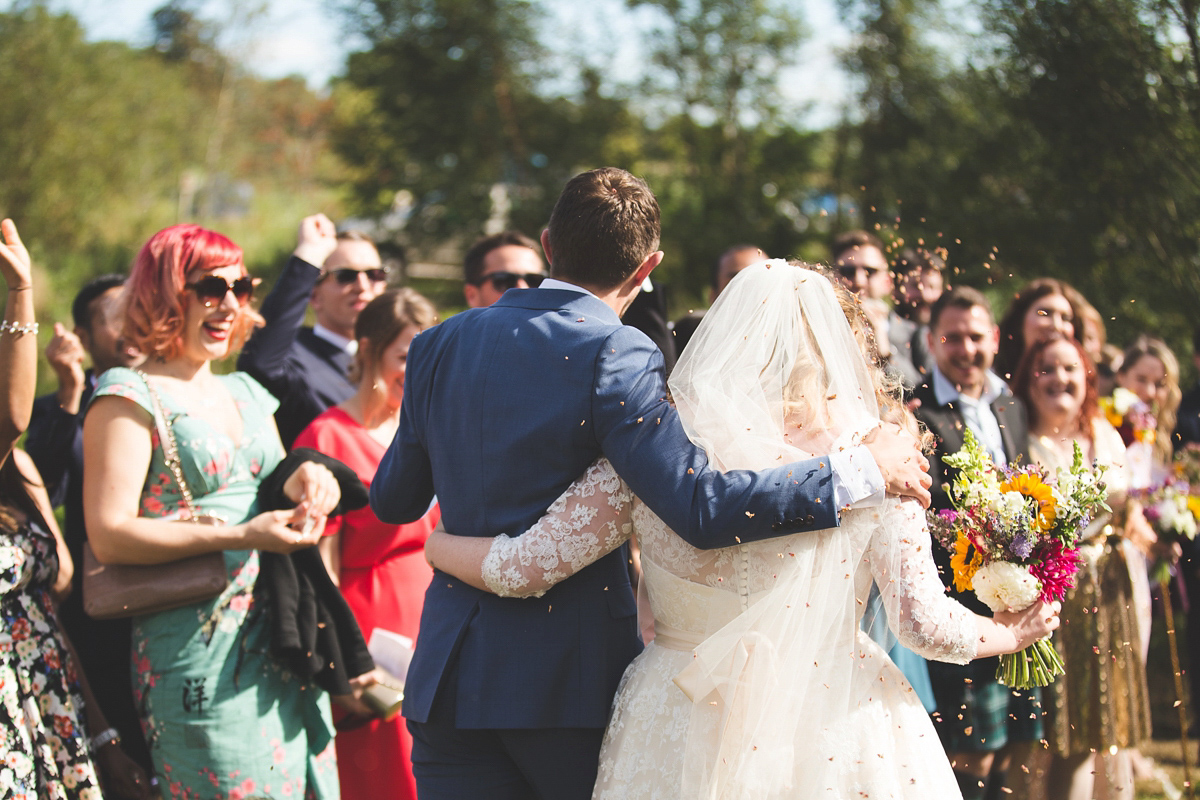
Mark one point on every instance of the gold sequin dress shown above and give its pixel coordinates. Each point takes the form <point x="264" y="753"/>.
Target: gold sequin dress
<point x="1102" y="702"/>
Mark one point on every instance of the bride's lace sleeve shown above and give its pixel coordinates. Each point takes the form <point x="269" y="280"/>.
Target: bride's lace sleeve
<point x="923" y="617"/>
<point x="588" y="521"/>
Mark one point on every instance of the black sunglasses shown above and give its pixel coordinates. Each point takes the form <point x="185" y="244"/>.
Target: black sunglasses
<point x="848" y="271"/>
<point x="503" y="281"/>
<point x="348" y="275"/>
<point x="212" y="289"/>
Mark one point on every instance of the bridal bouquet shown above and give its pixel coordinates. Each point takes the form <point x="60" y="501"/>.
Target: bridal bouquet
<point x="1014" y="534"/>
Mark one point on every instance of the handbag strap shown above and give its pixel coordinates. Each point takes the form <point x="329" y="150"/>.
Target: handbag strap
<point x="166" y="437"/>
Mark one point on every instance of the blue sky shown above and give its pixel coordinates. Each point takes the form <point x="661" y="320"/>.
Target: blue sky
<point x="305" y="37"/>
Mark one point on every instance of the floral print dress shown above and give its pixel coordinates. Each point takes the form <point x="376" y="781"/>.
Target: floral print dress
<point x="223" y="720"/>
<point x="43" y="744"/>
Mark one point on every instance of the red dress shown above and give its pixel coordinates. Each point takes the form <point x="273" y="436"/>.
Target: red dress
<point x="383" y="577"/>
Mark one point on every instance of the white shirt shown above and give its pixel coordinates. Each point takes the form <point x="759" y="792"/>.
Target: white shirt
<point x="857" y="481"/>
<point x="977" y="414"/>
<point x="347" y="346"/>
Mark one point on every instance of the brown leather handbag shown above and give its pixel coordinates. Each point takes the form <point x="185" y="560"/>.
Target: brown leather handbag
<point x="111" y="591"/>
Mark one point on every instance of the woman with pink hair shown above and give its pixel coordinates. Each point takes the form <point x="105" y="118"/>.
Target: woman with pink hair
<point x="221" y="717"/>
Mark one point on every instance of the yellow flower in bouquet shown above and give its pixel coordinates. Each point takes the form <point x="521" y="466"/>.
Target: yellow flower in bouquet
<point x="1031" y="485"/>
<point x="1193" y="504"/>
<point x="966" y="561"/>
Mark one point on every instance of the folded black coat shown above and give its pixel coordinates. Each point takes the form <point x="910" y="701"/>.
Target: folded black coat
<point x="313" y="631"/>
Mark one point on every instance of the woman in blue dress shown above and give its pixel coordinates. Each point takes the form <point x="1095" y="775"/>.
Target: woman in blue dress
<point x="223" y="720"/>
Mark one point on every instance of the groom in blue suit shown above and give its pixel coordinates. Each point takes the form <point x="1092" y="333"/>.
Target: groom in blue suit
<point x="503" y="408"/>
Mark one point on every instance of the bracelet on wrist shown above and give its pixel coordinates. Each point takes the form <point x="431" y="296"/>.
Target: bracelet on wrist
<point x="106" y="736"/>
<point x="18" y="328"/>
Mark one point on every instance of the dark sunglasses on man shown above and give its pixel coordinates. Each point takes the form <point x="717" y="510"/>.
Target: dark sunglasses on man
<point x="503" y="281"/>
<point x="348" y="275"/>
<point x="212" y="289"/>
<point x="848" y="271"/>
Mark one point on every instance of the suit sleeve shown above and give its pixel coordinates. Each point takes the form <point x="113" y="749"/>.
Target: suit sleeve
<point x="642" y="436"/>
<point x="51" y="441"/>
<point x="265" y="356"/>
<point x="402" y="489"/>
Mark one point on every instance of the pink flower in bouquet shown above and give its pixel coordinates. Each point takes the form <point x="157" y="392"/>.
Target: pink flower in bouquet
<point x="1055" y="567"/>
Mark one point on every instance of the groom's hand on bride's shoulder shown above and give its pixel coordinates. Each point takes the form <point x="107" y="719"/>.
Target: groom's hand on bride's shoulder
<point x="897" y="453"/>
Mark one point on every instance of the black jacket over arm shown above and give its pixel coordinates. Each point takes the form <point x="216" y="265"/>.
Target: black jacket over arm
<point x="305" y="373"/>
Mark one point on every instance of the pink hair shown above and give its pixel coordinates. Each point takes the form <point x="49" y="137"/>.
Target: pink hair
<point x="154" y="294"/>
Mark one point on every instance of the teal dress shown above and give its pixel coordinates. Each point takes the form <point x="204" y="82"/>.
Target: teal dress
<point x="222" y="719"/>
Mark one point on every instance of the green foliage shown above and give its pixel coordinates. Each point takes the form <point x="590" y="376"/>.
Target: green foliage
<point x="104" y="144"/>
<point x="444" y="109"/>
<point x="1068" y="148"/>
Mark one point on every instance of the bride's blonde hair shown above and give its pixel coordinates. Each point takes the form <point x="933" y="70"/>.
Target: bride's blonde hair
<point x="805" y="395"/>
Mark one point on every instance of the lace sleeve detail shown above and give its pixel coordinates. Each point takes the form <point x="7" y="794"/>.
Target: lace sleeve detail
<point x="923" y="617"/>
<point x="588" y="521"/>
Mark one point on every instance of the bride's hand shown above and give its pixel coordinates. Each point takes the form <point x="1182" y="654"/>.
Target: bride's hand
<point x="905" y="471"/>
<point x="1031" y="625"/>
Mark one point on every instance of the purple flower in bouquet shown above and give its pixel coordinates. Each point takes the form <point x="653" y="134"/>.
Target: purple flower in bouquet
<point x="1021" y="545"/>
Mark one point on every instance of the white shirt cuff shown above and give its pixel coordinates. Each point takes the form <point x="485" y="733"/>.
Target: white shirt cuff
<point x="857" y="481"/>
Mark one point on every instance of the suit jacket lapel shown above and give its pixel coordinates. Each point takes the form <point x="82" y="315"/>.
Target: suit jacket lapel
<point x="949" y="427"/>
<point x="1012" y="428"/>
<point x="327" y="350"/>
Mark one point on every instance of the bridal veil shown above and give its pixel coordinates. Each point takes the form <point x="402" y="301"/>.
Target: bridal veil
<point x="775" y="375"/>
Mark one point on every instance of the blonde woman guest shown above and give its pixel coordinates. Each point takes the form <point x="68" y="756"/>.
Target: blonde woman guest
<point x="380" y="567"/>
<point x="222" y="719"/>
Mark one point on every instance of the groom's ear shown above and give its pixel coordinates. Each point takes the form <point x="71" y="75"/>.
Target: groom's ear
<point x="647" y="266"/>
<point x="545" y="238"/>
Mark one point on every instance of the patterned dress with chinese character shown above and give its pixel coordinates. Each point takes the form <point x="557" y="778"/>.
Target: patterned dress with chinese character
<point x="43" y="744"/>
<point x="222" y="719"/>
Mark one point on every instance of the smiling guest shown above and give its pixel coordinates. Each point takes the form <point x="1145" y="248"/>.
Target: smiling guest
<point x="1044" y="308"/>
<point x="381" y="568"/>
<point x="978" y="717"/>
<point x="497" y="263"/>
<point x="307" y="369"/>
<point x="221" y="716"/>
<point x="1098" y="713"/>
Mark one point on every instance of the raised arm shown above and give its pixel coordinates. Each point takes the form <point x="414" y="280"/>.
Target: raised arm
<point x="919" y="612"/>
<point x="265" y="354"/>
<point x="18" y="340"/>
<point x="587" y="522"/>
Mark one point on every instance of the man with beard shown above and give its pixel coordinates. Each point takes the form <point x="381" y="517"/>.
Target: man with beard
<point x="977" y="717"/>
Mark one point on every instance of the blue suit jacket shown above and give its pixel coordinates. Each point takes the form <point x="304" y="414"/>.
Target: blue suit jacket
<point x="503" y="408"/>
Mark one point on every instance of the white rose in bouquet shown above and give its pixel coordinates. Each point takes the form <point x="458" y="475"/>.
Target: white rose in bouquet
<point x="1003" y="585"/>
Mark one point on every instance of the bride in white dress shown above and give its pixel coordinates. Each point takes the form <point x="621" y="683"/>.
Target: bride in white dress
<point x="759" y="682"/>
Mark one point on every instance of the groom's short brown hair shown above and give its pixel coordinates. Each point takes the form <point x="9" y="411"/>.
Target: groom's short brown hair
<point x="603" y="226"/>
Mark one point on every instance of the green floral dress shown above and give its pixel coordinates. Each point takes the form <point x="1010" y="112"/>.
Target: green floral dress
<point x="222" y="719"/>
<point x="43" y="744"/>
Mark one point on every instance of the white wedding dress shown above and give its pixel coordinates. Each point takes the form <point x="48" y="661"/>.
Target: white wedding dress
<point x="759" y="683"/>
<point x="865" y="735"/>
